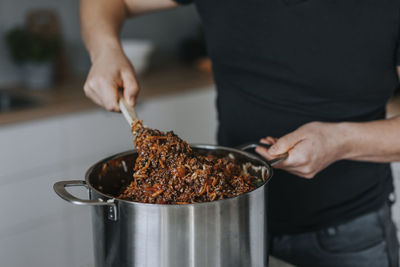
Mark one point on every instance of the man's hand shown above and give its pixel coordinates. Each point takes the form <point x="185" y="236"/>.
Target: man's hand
<point x="110" y="71"/>
<point x="101" y="22"/>
<point x="311" y="148"/>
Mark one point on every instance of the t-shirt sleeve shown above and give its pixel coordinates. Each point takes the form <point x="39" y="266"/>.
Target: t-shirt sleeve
<point x="184" y="2"/>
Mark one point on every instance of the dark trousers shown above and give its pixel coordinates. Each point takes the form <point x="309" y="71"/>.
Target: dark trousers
<point x="367" y="241"/>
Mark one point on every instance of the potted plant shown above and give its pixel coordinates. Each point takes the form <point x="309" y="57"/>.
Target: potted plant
<point x="35" y="54"/>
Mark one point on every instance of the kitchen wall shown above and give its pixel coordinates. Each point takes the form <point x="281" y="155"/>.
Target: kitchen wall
<point x="165" y="28"/>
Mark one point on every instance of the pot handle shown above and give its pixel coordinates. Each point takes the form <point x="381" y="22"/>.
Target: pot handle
<point x="59" y="188"/>
<point x="279" y="158"/>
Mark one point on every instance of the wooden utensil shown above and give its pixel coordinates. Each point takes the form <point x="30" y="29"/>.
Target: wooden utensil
<point x="128" y="111"/>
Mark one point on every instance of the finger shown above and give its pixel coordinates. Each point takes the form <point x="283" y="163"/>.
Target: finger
<point x="287" y="166"/>
<point x="262" y="151"/>
<point x="300" y="161"/>
<point x="96" y="98"/>
<point x="273" y="139"/>
<point x="131" y="87"/>
<point x="90" y="93"/>
<point x="285" y="143"/>
<point x="108" y="92"/>
<point x="268" y="140"/>
<point x="294" y="170"/>
<point x="298" y="157"/>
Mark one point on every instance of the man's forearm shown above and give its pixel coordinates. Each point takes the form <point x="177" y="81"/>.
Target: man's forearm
<point x="377" y="141"/>
<point x="101" y="21"/>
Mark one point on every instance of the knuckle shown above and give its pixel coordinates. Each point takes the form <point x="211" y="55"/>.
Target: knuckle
<point x="86" y="89"/>
<point x="92" y="83"/>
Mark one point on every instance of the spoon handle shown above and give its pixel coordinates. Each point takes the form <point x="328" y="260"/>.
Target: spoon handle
<point x="128" y="111"/>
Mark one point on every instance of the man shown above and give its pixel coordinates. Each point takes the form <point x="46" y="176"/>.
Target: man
<point x="310" y="77"/>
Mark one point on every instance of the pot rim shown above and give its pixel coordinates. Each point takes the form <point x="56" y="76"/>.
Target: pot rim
<point x="200" y="146"/>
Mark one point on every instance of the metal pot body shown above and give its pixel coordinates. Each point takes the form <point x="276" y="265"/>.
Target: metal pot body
<point x="224" y="233"/>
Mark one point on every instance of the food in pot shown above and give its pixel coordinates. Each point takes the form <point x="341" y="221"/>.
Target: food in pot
<point x="168" y="171"/>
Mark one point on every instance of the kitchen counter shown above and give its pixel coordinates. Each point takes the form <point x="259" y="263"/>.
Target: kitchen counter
<point x="69" y="97"/>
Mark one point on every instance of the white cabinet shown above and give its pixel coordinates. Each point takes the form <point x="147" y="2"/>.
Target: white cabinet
<point x="37" y="228"/>
<point x="29" y="147"/>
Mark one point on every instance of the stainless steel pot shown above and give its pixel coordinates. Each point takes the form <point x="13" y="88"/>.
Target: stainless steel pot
<point x="224" y="233"/>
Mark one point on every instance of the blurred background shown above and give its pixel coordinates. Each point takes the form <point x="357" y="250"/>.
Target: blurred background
<point x="166" y="30"/>
<point x="49" y="131"/>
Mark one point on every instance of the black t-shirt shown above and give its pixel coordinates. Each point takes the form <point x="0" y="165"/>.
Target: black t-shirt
<point x="279" y="64"/>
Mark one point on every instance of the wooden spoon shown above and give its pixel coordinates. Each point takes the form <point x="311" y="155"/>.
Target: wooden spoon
<point x="128" y="111"/>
